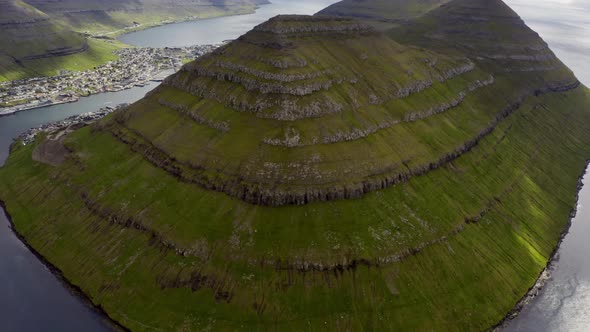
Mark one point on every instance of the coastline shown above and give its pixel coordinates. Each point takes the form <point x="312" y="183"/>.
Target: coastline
<point x="545" y="274"/>
<point x="74" y="289"/>
<point x="114" y="36"/>
<point x="73" y="101"/>
<point x="532" y="292"/>
<point x="46" y="105"/>
<point x="118" y="33"/>
<point x="71" y="287"/>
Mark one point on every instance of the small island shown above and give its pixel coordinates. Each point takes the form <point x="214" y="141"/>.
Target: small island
<point x="381" y="165"/>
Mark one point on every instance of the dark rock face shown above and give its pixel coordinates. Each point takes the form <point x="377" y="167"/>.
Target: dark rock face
<point x="63" y="51"/>
<point x="222" y="126"/>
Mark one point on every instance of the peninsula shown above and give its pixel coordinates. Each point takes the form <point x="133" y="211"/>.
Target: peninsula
<point x="408" y="166"/>
<point x="41" y="38"/>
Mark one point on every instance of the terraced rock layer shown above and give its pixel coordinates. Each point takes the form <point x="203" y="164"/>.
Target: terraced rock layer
<point x="327" y="81"/>
<point x="319" y="174"/>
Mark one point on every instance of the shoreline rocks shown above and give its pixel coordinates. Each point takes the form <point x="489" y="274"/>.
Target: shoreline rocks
<point x="30" y="135"/>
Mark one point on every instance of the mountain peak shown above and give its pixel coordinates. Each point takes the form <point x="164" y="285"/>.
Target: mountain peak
<point x="283" y="30"/>
<point x="307" y="84"/>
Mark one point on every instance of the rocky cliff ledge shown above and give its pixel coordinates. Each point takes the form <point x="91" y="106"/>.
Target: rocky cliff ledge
<point x="339" y="83"/>
<point x="320" y="176"/>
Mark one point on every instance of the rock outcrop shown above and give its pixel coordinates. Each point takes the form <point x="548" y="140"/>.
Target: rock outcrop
<point x="298" y="109"/>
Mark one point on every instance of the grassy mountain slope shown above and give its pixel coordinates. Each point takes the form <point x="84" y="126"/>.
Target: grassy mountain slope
<point x="40" y="38"/>
<point x="108" y="16"/>
<point x="315" y="174"/>
<point x="382" y="13"/>
<point x="22" y="25"/>
<point x="29" y="34"/>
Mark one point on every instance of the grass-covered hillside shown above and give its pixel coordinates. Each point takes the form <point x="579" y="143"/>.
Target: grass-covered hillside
<point x="29" y="34"/>
<point x="113" y="16"/>
<point x="40" y="38"/>
<point x="317" y="174"/>
<point x="383" y="14"/>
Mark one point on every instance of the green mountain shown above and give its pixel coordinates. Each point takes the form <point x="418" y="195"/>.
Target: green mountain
<point x="317" y="173"/>
<point x="28" y="34"/>
<point x="383" y="14"/>
<point x="108" y="15"/>
<point x="40" y="37"/>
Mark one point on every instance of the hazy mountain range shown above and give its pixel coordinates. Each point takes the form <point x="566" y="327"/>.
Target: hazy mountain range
<point x="38" y="35"/>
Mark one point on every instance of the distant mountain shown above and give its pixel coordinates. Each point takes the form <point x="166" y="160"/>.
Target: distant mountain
<point x="320" y="174"/>
<point x="40" y="37"/>
<point x="28" y="33"/>
<point x="108" y="15"/>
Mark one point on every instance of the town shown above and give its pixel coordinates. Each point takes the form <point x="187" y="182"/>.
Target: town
<point x="135" y="67"/>
<point x="85" y="118"/>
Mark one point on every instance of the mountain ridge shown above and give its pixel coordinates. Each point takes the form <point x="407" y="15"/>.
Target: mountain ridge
<point x="41" y="37"/>
<point x="383" y="13"/>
